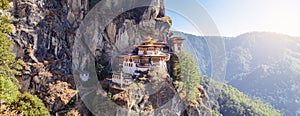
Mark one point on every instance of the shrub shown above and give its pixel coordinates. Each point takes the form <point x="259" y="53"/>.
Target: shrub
<point x="29" y="105"/>
<point x="8" y="89"/>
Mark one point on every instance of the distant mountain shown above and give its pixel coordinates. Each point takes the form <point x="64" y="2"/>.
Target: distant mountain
<point x="263" y="65"/>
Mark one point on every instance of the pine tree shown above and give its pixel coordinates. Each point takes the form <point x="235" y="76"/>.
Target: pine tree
<point x="8" y="64"/>
<point x="26" y="104"/>
<point x="188" y="76"/>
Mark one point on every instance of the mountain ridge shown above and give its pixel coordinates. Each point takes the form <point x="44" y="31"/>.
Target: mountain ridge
<point x="263" y="65"/>
<point x="44" y="33"/>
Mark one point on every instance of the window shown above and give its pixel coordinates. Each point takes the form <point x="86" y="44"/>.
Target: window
<point x="151" y="48"/>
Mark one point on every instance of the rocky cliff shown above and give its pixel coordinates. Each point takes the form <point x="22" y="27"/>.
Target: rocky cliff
<point x="44" y="32"/>
<point x="48" y="36"/>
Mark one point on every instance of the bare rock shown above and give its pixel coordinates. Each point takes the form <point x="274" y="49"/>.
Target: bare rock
<point x="60" y="94"/>
<point x="50" y="26"/>
<point x="36" y="79"/>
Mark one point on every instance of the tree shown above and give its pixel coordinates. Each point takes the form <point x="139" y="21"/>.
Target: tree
<point x="26" y="104"/>
<point x="188" y="76"/>
<point x="4" y="5"/>
<point x="29" y="105"/>
<point x="8" y="64"/>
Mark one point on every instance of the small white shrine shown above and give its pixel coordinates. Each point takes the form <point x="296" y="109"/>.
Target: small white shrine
<point x="177" y="44"/>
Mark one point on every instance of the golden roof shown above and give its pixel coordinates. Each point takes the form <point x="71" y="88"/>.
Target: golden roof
<point x="151" y="42"/>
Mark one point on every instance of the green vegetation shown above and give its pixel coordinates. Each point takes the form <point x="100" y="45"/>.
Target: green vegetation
<point x="4" y="5"/>
<point x="8" y="89"/>
<point x="188" y="77"/>
<point x="29" y="105"/>
<point x="225" y="100"/>
<point x="273" y="73"/>
<point x="8" y="64"/>
<point x="262" y="65"/>
<point x="26" y="104"/>
<point x="231" y="102"/>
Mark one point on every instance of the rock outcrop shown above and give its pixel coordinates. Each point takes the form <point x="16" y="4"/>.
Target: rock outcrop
<point x="45" y="32"/>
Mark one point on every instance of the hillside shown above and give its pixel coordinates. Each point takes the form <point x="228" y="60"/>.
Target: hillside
<point x="69" y="47"/>
<point x="228" y="101"/>
<point x="263" y="65"/>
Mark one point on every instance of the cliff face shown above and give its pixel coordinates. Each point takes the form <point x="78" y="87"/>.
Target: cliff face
<point x="48" y="25"/>
<point x="44" y="32"/>
<point x="48" y="36"/>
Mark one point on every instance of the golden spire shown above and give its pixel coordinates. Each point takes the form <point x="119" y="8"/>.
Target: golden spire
<point x="149" y="38"/>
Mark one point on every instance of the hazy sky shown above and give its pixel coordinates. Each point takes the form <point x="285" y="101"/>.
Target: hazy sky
<point x="234" y="17"/>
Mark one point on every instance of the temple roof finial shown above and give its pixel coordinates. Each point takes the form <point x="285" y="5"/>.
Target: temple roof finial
<point x="148" y="38"/>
